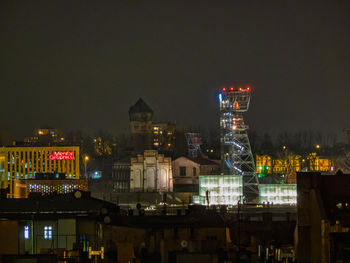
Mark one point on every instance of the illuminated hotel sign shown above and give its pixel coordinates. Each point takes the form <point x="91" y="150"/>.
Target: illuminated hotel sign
<point x="62" y="156"/>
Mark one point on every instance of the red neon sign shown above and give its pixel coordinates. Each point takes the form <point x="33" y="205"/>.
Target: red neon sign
<point x="62" y="156"/>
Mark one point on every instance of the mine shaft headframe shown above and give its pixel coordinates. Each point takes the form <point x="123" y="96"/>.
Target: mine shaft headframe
<point x="235" y="98"/>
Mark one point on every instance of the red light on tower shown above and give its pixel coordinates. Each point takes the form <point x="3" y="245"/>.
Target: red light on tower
<point x="224" y="89"/>
<point x="248" y="88"/>
<point x="240" y="89"/>
<point x="231" y="88"/>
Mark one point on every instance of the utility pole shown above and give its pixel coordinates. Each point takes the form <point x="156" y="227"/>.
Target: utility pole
<point x="86" y="159"/>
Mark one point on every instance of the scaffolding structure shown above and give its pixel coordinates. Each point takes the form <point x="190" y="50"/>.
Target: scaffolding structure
<point x="236" y="154"/>
<point x="194" y="144"/>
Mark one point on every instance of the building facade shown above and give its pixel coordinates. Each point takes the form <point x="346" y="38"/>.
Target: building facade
<point x="70" y="223"/>
<point x="290" y="164"/>
<point x="151" y="172"/>
<point x="22" y="188"/>
<point x="121" y="177"/>
<point x="186" y="171"/>
<point x="219" y="190"/>
<point x="164" y="136"/>
<point x="18" y="163"/>
<point x="323" y="223"/>
<point x="46" y="136"/>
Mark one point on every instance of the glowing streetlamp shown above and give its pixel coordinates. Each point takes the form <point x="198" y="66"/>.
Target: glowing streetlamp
<point x="284" y="147"/>
<point x="317" y="146"/>
<point x="86" y="159"/>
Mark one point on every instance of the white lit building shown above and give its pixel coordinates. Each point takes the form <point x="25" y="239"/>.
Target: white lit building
<point x="278" y="193"/>
<point x="219" y="190"/>
<point x="151" y="172"/>
<point x="228" y="190"/>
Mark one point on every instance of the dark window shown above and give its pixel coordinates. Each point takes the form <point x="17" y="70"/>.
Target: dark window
<point x="194" y="171"/>
<point x="192" y="232"/>
<point x="176" y="232"/>
<point x="182" y="171"/>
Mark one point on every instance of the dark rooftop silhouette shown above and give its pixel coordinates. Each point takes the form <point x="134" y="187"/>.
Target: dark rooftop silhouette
<point x="140" y="106"/>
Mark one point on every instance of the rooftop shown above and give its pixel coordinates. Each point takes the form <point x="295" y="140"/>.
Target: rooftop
<point x="140" y="106"/>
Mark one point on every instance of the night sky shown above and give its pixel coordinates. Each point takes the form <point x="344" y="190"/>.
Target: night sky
<point x="80" y="65"/>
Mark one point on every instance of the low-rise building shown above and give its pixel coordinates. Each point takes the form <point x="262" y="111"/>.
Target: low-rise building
<point x="61" y="225"/>
<point x="151" y="172"/>
<point x="186" y="171"/>
<point x="23" y="188"/>
<point x="323" y="217"/>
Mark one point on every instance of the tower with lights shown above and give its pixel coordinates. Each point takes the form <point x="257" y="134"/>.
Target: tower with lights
<point x="236" y="154"/>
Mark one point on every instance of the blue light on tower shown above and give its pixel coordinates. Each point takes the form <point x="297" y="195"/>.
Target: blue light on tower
<point x="220" y="97"/>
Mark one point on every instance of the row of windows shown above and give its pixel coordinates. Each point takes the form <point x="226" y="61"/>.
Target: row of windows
<point x="31" y="155"/>
<point x="47" y="232"/>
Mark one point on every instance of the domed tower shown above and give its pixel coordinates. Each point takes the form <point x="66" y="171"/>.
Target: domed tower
<point x="140" y="116"/>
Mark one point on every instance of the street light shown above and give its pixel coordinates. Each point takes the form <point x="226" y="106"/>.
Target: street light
<point x="317" y="146"/>
<point x="86" y="159"/>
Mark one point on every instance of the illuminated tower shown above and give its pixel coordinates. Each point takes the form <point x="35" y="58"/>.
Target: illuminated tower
<point x="236" y="154"/>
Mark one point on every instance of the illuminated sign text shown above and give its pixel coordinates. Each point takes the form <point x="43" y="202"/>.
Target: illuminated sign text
<point x="62" y="156"/>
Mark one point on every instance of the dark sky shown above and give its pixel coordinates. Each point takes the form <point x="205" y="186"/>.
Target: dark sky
<point x="82" y="64"/>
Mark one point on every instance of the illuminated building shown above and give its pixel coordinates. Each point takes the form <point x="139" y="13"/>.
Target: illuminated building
<point x="236" y="154"/>
<point x="163" y="136"/>
<point x="266" y="165"/>
<point x="263" y="164"/>
<point x="102" y="146"/>
<point x="25" y="162"/>
<point x="147" y="135"/>
<point x="292" y="164"/>
<point x="227" y="190"/>
<point x="46" y="136"/>
<point x="22" y="188"/>
<point x="151" y="172"/>
<point x="219" y="190"/>
<point x="278" y="193"/>
<point x="186" y="171"/>
<point x="318" y="164"/>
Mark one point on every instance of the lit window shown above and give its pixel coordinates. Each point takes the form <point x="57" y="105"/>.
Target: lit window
<point x="48" y="232"/>
<point x="26" y="232"/>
